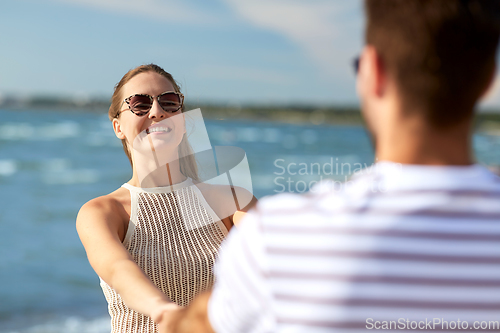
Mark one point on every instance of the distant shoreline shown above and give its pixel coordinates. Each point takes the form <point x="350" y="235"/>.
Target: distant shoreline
<point x="488" y="122"/>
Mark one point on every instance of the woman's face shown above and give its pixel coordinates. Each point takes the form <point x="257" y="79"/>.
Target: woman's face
<point x="158" y="128"/>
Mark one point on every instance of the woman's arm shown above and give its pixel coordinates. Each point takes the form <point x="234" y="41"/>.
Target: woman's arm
<point x="239" y="214"/>
<point x="101" y="230"/>
<point x="234" y="219"/>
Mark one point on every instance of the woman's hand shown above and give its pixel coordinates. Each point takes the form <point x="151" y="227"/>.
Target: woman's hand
<point x="166" y="317"/>
<point x="192" y="319"/>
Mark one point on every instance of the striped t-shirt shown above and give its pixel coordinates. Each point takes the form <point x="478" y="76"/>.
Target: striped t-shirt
<point x="399" y="247"/>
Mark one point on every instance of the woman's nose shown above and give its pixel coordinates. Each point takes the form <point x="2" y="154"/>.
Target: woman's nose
<point x="156" y="111"/>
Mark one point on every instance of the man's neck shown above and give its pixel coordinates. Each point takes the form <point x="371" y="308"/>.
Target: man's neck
<point x="414" y="142"/>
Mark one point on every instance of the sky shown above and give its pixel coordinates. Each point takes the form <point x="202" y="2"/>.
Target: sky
<point x="223" y="51"/>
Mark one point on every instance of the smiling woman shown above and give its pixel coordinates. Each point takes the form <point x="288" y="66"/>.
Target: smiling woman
<point x="153" y="242"/>
<point x="139" y="103"/>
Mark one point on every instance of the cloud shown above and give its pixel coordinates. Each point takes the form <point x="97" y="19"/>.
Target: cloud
<point x="329" y="31"/>
<point x="167" y="11"/>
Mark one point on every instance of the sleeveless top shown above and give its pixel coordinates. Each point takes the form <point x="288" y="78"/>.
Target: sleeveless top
<point x="173" y="235"/>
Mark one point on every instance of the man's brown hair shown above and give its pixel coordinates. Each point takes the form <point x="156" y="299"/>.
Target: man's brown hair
<point x="441" y="53"/>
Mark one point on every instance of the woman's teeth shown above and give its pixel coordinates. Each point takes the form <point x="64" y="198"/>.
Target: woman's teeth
<point x="158" y="129"/>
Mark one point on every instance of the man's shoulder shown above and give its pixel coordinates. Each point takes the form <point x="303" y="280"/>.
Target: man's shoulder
<point x="385" y="189"/>
<point x="323" y="199"/>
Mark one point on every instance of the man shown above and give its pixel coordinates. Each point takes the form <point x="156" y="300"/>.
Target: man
<point x="413" y="243"/>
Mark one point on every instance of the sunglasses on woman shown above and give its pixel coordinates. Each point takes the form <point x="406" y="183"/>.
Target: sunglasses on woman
<point x="140" y="104"/>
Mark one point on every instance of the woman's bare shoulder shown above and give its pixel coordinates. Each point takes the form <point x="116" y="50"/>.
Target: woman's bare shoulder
<point x="226" y="193"/>
<point x="220" y="189"/>
<point x="107" y="202"/>
<point x="112" y="207"/>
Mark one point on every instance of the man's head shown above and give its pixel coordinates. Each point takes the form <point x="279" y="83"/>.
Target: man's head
<point x="439" y="55"/>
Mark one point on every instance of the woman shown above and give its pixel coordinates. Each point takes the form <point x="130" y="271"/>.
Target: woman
<point x="153" y="241"/>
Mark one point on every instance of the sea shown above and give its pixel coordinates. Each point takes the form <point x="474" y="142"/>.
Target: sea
<point x="52" y="162"/>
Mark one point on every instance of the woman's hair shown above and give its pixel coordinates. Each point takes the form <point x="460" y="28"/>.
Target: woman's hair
<point x="187" y="161"/>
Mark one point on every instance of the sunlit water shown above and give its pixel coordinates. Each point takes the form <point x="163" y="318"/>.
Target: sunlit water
<point x="53" y="162"/>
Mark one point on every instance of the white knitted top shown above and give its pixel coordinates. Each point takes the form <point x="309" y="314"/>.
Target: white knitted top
<point x="173" y="235"/>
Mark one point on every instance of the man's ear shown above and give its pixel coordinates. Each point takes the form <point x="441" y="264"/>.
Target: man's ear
<point x="117" y="128"/>
<point x="372" y="78"/>
<point x="491" y="84"/>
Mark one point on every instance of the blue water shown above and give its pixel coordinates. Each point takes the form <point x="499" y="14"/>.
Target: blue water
<point x="53" y="162"/>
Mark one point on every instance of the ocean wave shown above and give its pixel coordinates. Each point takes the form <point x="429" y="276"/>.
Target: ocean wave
<point x="7" y="167"/>
<point x="29" y="131"/>
<point x="69" y="177"/>
<point x="245" y="134"/>
<point x="69" y="325"/>
<point x="58" y="172"/>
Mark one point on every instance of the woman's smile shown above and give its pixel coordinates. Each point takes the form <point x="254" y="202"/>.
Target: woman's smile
<point x="158" y="129"/>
